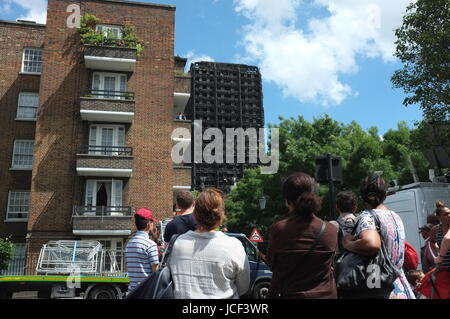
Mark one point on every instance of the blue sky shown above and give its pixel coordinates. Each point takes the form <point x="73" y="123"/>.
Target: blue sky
<point x="316" y="56"/>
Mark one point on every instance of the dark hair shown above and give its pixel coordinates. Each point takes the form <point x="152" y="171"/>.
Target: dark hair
<point x="346" y="202"/>
<point x="373" y="190"/>
<point x="299" y="190"/>
<point x="141" y="223"/>
<point x="413" y="275"/>
<point x="184" y="199"/>
<point x="209" y="211"/>
<point x="433" y="219"/>
<point x="440" y="207"/>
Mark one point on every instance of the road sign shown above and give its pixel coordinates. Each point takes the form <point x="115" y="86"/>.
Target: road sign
<point x="256" y="236"/>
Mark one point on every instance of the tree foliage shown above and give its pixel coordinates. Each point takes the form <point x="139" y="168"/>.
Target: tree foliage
<point x="90" y="36"/>
<point x="423" y="48"/>
<point x="361" y="152"/>
<point x="6" y="250"/>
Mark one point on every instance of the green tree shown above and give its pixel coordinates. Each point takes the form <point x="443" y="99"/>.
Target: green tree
<point x="423" y="48"/>
<point x="361" y="152"/>
<point x="6" y="250"/>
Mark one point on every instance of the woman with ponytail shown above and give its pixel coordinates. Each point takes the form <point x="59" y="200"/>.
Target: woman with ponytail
<point x="377" y="226"/>
<point x="302" y="246"/>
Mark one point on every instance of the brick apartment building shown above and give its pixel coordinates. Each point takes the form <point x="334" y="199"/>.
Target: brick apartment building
<point x="86" y="130"/>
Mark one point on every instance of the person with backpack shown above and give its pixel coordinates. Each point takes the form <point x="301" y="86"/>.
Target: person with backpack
<point x="206" y="263"/>
<point x="377" y="226"/>
<point x="302" y="246"/>
<point x="141" y="252"/>
<point x="411" y="258"/>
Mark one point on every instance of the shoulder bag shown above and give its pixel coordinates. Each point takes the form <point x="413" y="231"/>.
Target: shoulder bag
<point x="366" y="277"/>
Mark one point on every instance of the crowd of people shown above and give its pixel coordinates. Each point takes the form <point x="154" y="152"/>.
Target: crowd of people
<point x="303" y="249"/>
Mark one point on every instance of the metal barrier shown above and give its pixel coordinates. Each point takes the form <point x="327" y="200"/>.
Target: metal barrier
<point x="105" y="150"/>
<point x="102" y="211"/>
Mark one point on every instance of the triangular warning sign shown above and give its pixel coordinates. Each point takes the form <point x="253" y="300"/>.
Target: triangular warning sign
<point x="256" y="236"/>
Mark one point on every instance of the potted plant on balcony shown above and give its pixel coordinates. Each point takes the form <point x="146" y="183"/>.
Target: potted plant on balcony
<point x="89" y="36"/>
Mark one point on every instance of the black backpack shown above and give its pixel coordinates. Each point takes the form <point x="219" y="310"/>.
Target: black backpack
<point x="159" y="285"/>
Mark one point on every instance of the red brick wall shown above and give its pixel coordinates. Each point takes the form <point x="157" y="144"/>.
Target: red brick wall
<point x="59" y="131"/>
<point x="14" y="38"/>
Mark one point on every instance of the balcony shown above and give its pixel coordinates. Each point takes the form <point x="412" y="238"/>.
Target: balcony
<point x="107" y="106"/>
<point x="108" y="58"/>
<point x="180" y="102"/>
<point x="101" y="220"/>
<point x="105" y="161"/>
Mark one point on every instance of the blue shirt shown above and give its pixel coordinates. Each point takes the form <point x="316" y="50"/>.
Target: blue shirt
<point x="140" y="253"/>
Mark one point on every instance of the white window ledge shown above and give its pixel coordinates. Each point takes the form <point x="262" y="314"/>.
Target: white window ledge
<point x="25" y="120"/>
<point x="16" y="220"/>
<point x="30" y="73"/>
<point x="21" y="169"/>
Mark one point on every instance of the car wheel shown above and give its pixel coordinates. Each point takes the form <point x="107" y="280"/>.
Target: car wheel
<point x="261" y="290"/>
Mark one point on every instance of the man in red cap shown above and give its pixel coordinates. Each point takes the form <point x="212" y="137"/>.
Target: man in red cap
<point x="141" y="252"/>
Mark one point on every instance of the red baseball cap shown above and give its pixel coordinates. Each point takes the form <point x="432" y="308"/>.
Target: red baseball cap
<point x="146" y="214"/>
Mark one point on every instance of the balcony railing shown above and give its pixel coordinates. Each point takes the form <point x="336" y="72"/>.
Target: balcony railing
<point x="105" y="150"/>
<point x="106" y="94"/>
<point x="102" y="211"/>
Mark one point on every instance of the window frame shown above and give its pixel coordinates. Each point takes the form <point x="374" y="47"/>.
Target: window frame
<point x="8" y="211"/>
<point x="22" y="167"/>
<point x="23" y="61"/>
<point x="98" y="137"/>
<point x="113" y="194"/>
<point x="110" y="26"/>
<point x="26" y="106"/>
<point x="101" y="86"/>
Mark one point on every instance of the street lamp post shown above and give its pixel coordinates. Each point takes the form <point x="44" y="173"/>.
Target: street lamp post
<point x="262" y="206"/>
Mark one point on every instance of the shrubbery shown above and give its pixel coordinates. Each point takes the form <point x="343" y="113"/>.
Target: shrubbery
<point x="90" y="36"/>
<point x="6" y="250"/>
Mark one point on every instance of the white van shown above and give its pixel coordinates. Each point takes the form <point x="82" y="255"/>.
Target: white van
<point x="413" y="203"/>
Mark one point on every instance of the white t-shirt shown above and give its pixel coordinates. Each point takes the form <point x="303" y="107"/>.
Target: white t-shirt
<point x="209" y="266"/>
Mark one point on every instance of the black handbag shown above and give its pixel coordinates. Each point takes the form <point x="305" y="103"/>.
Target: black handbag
<point x="366" y="277"/>
<point x="159" y="285"/>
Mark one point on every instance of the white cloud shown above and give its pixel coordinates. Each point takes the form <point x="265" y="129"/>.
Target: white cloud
<point x="192" y="58"/>
<point x="307" y="64"/>
<point x="36" y="10"/>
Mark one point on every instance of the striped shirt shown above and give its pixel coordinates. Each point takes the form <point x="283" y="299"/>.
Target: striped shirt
<point x="439" y="239"/>
<point x="140" y="253"/>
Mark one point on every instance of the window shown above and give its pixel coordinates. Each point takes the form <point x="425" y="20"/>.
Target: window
<point x="104" y="193"/>
<point x="250" y="249"/>
<point x="109" y="85"/>
<point x="18" y="205"/>
<point x="110" y="31"/>
<point x="106" y="137"/>
<point x="32" y="61"/>
<point x="27" y="106"/>
<point x="16" y="265"/>
<point x="112" y="254"/>
<point x="23" y="155"/>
